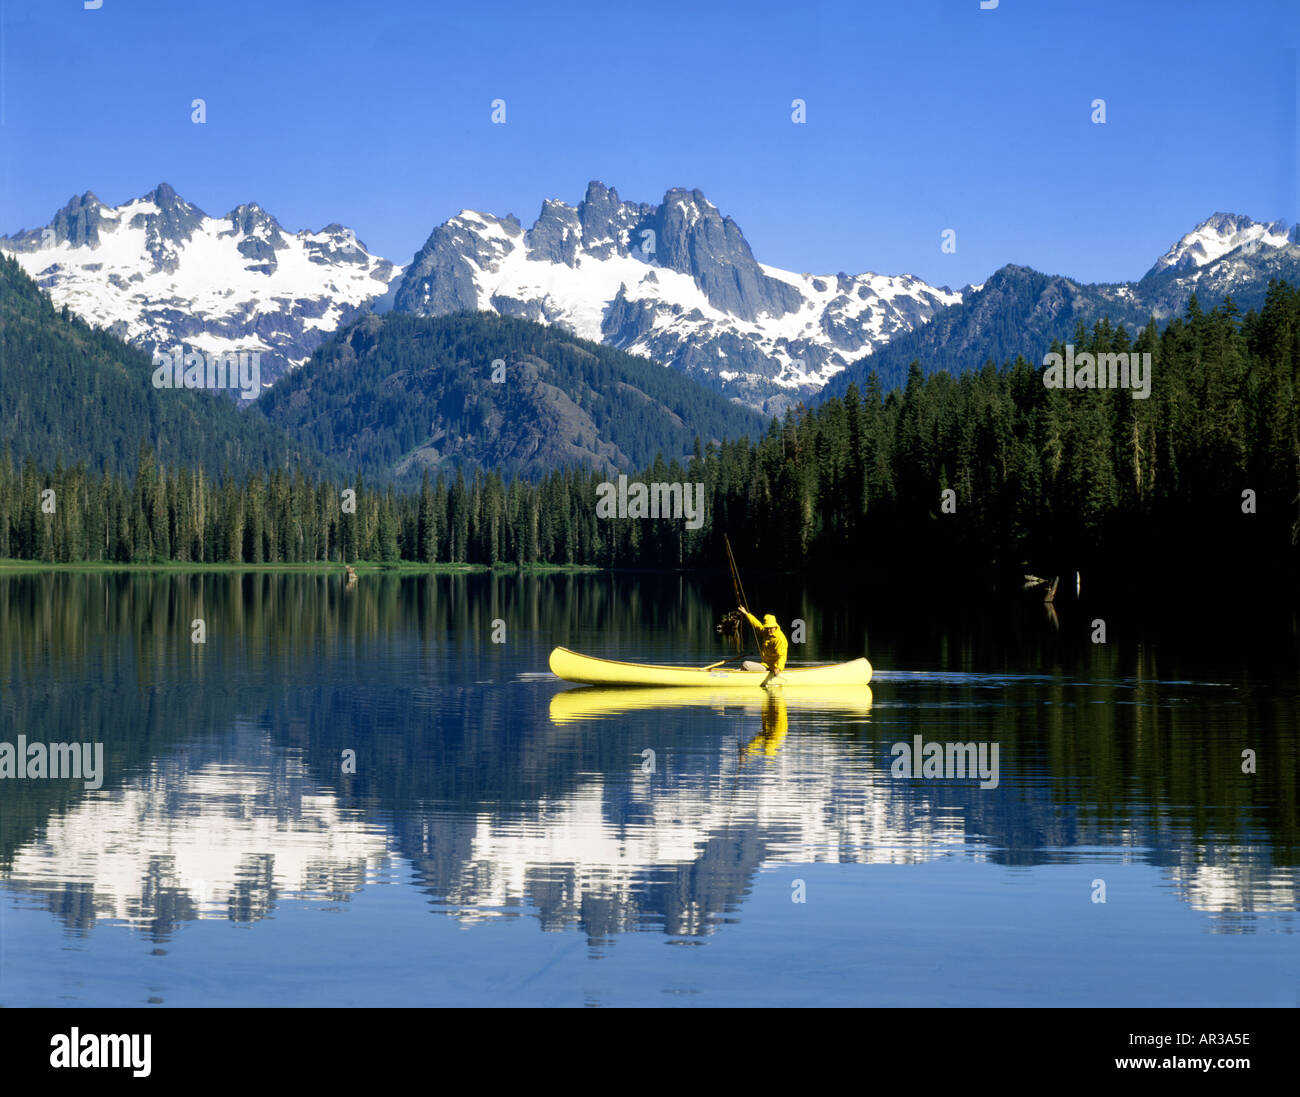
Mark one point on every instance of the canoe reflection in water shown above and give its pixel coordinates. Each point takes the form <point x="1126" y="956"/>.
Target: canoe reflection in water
<point x="772" y="707"/>
<point x="600" y="702"/>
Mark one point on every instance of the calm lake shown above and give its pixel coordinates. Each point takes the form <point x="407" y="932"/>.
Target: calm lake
<point x="498" y="837"/>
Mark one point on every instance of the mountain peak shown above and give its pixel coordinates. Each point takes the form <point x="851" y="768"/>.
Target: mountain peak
<point x="261" y="233"/>
<point x="694" y="193"/>
<point x="164" y="195"/>
<point x="598" y="192"/>
<point x="692" y="203"/>
<point x="1214" y="237"/>
<point x="170" y="204"/>
<point x="250" y="211"/>
<point x="77" y="223"/>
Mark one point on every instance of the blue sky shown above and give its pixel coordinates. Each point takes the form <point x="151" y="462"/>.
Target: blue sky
<point x="922" y="116"/>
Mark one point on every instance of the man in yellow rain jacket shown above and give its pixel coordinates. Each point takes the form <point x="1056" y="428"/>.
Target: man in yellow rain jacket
<point x="774" y="644"/>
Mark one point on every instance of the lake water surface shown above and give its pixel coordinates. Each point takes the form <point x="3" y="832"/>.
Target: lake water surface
<point x="508" y="839"/>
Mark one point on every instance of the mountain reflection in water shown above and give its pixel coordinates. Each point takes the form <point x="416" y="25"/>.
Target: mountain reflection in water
<point x="500" y="793"/>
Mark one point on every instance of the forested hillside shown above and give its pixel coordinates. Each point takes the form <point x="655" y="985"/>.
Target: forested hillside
<point x="399" y="395"/>
<point x="74" y="393"/>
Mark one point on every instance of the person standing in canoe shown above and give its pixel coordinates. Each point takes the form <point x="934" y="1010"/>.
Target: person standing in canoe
<point x="774" y="645"/>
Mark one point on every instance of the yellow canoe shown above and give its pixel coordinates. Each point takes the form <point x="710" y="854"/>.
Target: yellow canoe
<point x="574" y="667"/>
<point x="595" y="702"/>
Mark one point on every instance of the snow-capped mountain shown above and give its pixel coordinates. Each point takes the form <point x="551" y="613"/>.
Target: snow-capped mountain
<point x="1216" y="236"/>
<point x="675" y="282"/>
<point x="158" y="271"/>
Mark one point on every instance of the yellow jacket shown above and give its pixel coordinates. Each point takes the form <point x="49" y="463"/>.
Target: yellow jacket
<point x="775" y="645"/>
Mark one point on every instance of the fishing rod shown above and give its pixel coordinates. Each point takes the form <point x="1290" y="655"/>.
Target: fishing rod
<point x="739" y="589"/>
